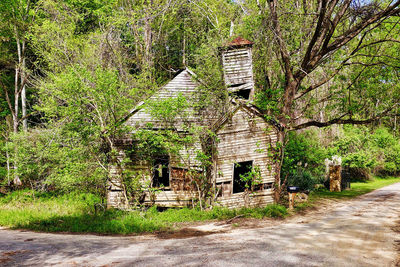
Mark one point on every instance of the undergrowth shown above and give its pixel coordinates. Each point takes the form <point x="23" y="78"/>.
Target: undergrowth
<point x="81" y="212"/>
<point x="77" y="213"/>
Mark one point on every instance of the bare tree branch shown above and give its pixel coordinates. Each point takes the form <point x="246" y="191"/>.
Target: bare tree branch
<point x="313" y="58"/>
<point x="317" y="32"/>
<point x="352" y="32"/>
<point x="8" y="99"/>
<point x="281" y="43"/>
<point x="340" y="120"/>
<point x="319" y="84"/>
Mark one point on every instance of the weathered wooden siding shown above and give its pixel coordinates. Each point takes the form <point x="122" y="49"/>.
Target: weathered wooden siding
<point x="258" y="199"/>
<point x="169" y="198"/>
<point x="183" y="84"/>
<point x="115" y="195"/>
<point x="244" y="137"/>
<point x="187" y="156"/>
<point x="238" y="69"/>
<point x="115" y="199"/>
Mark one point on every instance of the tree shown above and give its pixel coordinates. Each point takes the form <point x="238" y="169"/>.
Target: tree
<point x="323" y="50"/>
<point x="15" y="17"/>
<point x="85" y="89"/>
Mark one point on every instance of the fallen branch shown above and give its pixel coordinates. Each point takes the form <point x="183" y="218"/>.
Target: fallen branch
<point x="234" y="218"/>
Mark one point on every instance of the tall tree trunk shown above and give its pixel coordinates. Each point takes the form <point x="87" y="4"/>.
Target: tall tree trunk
<point x="8" y="164"/>
<point x="287" y="113"/>
<point x="184" y="48"/>
<point x="23" y="91"/>
<point x="17" y="181"/>
<point x="16" y="101"/>
<point x="148" y="38"/>
<point x="232" y="28"/>
<point x="278" y="163"/>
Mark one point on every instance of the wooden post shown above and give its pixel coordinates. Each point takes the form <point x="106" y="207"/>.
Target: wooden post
<point x="291" y="200"/>
<point x="335" y="178"/>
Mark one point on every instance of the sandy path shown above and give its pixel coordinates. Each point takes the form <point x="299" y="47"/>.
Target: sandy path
<point x="354" y="233"/>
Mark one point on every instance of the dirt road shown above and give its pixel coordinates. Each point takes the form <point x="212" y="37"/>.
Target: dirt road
<point x="360" y="232"/>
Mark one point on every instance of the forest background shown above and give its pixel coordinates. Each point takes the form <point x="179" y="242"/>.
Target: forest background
<point x="71" y="70"/>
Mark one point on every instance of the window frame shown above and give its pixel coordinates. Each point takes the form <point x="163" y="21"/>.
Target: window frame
<point x="233" y="174"/>
<point x="168" y="167"/>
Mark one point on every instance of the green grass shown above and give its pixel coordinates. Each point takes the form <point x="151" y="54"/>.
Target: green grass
<point x="357" y="189"/>
<point x="75" y="213"/>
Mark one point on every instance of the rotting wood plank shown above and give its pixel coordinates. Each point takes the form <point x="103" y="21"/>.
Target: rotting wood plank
<point x="258" y="199"/>
<point x="170" y="198"/>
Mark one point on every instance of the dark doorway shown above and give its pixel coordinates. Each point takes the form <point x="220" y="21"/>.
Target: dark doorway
<point x="240" y="168"/>
<point x="161" y="171"/>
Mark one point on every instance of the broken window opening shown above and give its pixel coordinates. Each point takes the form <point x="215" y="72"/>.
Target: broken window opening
<point x="244" y="94"/>
<point x="161" y="171"/>
<point x="241" y="168"/>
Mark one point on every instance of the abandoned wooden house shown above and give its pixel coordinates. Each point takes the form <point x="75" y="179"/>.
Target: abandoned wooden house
<point x="244" y="137"/>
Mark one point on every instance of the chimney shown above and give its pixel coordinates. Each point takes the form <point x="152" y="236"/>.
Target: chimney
<point x="238" y="68"/>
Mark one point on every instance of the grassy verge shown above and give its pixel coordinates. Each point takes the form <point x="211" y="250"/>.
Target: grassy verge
<point x="76" y="213"/>
<point x="357" y="189"/>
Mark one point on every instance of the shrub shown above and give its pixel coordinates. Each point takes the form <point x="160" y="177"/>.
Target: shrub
<point x="49" y="160"/>
<point x="364" y="152"/>
<point x="304" y="150"/>
<point x="303" y="163"/>
<point x="304" y="179"/>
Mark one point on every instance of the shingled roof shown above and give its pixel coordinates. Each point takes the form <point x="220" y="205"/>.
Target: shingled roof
<point x="239" y="41"/>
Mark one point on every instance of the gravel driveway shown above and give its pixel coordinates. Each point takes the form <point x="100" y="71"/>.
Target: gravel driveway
<point x="360" y="232"/>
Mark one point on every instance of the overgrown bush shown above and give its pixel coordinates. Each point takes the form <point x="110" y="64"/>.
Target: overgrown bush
<point x="3" y="162"/>
<point x="363" y="151"/>
<point x="357" y="151"/>
<point x="51" y="160"/>
<point x="304" y="179"/>
<point x="303" y="163"/>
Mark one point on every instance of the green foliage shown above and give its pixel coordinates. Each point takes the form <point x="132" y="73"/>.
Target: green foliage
<point x="304" y="150"/>
<point x="252" y="178"/>
<point x="92" y="61"/>
<point x="275" y="211"/>
<point x="3" y="163"/>
<point x="52" y="160"/>
<point x="355" y="148"/>
<point x="304" y="179"/>
<point x="375" y="151"/>
<point x="303" y="163"/>
<point x="362" y="151"/>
